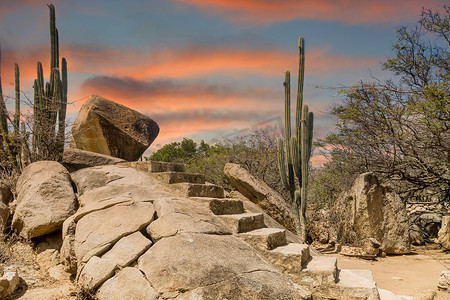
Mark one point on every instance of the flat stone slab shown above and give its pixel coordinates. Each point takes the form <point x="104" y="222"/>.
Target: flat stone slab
<point x="267" y="238"/>
<point x="178" y="177"/>
<point x="129" y="283"/>
<point x="95" y="272"/>
<point x="318" y="270"/>
<point x="244" y="222"/>
<point x="351" y="284"/>
<point x="198" y="190"/>
<point x="97" y="231"/>
<point x="128" y="249"/>
<point x="181" y="215"/>
<point x="222" y="206"/>
<point x="157" y="166"/>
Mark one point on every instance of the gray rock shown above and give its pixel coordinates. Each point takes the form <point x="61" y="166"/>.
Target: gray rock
<point x="76" y="159"/>
<point x="109" y="128"/>
<point x="416" y="235"/>
<point x="260" y="193"/>
<point x="129" y="283"/>
<point x="375" y="211"/>
<point x="45" y="199"/>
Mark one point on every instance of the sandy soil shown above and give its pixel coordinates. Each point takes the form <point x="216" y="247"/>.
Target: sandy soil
<point x="408" y="275"/>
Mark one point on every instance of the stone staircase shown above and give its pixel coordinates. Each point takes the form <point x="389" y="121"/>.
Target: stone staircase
<point x="319" y="274"/>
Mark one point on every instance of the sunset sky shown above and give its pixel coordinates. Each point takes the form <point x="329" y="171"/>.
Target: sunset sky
<point x="205" y="69"/>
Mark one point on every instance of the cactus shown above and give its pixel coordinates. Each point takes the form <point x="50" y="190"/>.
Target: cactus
<point x="49" y="108"/>
<point x="17" y="90"/>
<point x="294" y="152"/>
<point x="50" y="103"/>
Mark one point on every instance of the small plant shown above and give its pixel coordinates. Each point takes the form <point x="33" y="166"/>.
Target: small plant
<point x="295" y="151"/>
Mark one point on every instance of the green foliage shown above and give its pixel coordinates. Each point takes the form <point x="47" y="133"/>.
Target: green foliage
<point x="256" y="152"/>
<point x="294" y="157"/>
<point x="400" y="128"/>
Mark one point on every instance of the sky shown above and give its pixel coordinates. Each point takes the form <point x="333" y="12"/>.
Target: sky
<point x="205" y="69"/>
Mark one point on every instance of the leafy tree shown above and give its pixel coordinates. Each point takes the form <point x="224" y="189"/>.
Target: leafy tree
<point x="257" y="152"/>
<point x="400" y="128"/>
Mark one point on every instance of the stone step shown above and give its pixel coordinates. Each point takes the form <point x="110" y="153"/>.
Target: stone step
<point x="223" y="206"/>
<point x="178" y="177"/>
<point x="157" y="166"/>
<point x="318" y="270"/>
<point x="244" y="222"/>
<point x="198" y="190"/>
<point x="351" y="284"/>
<point x="288" y="258"/>
<point x="265" y="238"/>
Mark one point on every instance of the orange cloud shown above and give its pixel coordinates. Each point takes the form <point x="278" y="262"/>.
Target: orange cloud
<point x="200" y="61"/>
<point x="347" y="11"/>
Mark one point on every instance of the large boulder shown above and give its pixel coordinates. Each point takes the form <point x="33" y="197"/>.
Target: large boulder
<point x="109" y="128"/>
<point x="45" y="198"/>
<point x="375" y="211"/>
<point x="76" y="159"/>
<point x="260" y="193"/>
<point x="203" y="266"/>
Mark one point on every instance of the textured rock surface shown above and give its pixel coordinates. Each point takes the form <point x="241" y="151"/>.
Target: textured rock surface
<point x="375" y="211"/>
<point x="9" y="282"/>
<point x="109" y="128"/>
<point x="98" y="230"/>
<point x="178" y="215"/>
<point x="45" y="199"/>
<point x="129" y="283"/>
<point x="95" y="272"/>
<point x="213" y="267"/>
<point x="76" y="159"/>
<point x="444" y="233"/>
<point x="260" y="193"/>
<point x="444" y="280"/>
<point x="128" y="249"/>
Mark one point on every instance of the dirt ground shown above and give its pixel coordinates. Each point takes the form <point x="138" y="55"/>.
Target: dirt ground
<point x="409" y="275"/>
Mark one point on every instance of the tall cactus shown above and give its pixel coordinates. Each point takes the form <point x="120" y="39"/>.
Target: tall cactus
<point x="50" y="103"/>
<point x="49" y="108"/>
<point x="294" y="152"/>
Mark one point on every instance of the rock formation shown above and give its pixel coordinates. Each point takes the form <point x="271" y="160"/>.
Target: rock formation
<point x="105" y="127"/>
<point x="260" y="193"/>
<point x="76" y="159"/>
<point x="173" y="236"/>
<point x="45" y="198"/>
<point x="375" y="211"/>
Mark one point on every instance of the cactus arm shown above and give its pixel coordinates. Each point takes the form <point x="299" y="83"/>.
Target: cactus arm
<point x="17" y="99"/>
<point x="310" y="133"/>
<point x="301" y="75"/>
<point x="282" y="163"/>
<point x="295" y="156"/>
<point x="3" y="112"/>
